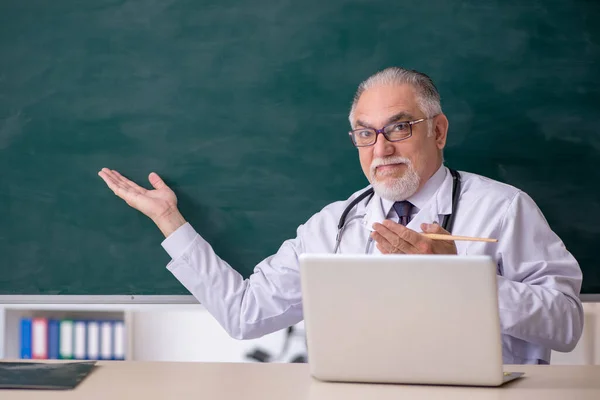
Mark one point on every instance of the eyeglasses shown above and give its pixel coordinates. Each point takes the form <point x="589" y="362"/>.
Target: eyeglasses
<point x="393" y="132"/>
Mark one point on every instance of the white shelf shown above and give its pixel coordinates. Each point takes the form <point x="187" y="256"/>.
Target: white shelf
<point x="11" y="315"/>
<point x="155" y="332"/>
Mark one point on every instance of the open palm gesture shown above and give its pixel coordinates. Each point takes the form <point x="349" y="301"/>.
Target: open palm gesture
<point x="156" y="203"/>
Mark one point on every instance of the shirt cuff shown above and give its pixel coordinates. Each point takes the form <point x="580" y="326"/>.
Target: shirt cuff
<point x="177" y="242"/>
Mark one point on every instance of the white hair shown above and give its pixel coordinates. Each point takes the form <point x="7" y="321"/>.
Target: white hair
<point x="428" y="97"/>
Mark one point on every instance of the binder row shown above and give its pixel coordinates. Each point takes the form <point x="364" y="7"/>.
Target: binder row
<point x="43" y="338"/>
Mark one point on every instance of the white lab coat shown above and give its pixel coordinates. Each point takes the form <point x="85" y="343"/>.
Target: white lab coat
<point x="538" y="279"/>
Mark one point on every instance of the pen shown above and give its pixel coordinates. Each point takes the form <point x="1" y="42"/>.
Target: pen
<point x="436" y="236"/>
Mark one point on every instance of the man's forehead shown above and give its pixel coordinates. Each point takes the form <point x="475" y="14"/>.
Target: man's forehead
<point x="382" y="102"/>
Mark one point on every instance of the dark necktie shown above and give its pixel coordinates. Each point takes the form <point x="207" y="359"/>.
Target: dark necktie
<point x="403" y="209"/>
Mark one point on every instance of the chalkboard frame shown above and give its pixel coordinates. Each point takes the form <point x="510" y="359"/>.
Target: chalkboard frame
<point x="143" y="299"/>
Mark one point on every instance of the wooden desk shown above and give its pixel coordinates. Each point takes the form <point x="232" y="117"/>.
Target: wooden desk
<point x="114" y="380"/>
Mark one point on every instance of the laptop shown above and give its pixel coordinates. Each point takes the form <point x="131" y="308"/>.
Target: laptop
<point x="412" y="319"/>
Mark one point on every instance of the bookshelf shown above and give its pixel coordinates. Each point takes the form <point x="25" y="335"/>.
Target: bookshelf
<point x="154" y="332"/>
<point x="12" y="314"/>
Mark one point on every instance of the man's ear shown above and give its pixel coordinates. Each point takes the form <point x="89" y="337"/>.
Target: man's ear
<point x="440" y="130"/>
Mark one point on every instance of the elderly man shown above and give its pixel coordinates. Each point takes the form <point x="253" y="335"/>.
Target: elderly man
<point x="400" y="132"/>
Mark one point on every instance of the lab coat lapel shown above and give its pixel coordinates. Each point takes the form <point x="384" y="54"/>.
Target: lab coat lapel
<point x="427" y="215"/>
<point x="373" y="213"/>
<point x="438" y="205"/>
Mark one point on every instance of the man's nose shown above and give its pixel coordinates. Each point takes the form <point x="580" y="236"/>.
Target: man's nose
<point x="382" y="147"/>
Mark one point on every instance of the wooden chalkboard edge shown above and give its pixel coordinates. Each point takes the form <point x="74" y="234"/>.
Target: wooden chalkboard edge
<point x="146" y="299"/>
<point x="97" y="299"/>
<point x="590" y="298"/>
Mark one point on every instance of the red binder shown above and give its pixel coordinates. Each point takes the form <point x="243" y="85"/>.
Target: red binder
<point x="39" y="338"/>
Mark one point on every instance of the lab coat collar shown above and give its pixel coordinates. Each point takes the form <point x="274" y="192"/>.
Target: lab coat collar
<point x="433" y="200"/>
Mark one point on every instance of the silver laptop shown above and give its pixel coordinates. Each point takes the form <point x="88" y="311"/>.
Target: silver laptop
<point x="403" y="319"/>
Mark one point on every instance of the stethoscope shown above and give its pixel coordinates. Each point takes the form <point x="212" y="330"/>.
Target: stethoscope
<point x="447" y="223"/>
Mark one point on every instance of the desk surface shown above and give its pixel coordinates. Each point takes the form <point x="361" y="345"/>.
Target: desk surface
<point x="114" y="380"/>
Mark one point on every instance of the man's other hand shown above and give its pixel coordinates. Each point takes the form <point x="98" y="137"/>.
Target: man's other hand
<point x="393" y="238"/>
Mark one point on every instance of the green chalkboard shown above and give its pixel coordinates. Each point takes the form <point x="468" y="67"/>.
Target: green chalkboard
<point x="242" y="107"/>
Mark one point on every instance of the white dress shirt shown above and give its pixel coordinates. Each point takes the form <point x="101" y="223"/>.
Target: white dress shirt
<point x="538" y="279"/>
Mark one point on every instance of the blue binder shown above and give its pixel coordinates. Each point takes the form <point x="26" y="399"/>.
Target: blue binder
<point x="53" y="339"/>
<point x="26" y="338"/>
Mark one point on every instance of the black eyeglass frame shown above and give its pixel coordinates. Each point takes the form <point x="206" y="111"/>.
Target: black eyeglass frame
<point x="382" y="131"/>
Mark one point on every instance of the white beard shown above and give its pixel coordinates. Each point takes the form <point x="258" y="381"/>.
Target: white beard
<point x="397" y="189"/>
